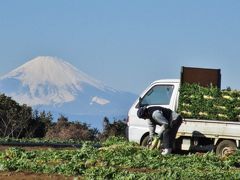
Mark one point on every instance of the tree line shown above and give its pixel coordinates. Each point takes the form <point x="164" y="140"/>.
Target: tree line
<point x="21" y="121"/>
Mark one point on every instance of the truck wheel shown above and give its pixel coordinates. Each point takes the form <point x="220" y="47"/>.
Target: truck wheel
<point x="145" y="141"/>
<point x="225" y="148"/>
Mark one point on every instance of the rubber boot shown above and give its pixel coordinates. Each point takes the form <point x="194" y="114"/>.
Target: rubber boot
<point x="166" y="151"/>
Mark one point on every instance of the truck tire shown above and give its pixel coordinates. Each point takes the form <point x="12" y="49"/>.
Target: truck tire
<point x="156" y="145"/>
<point x="145" y="141"/>
<point x="225" y="148"/>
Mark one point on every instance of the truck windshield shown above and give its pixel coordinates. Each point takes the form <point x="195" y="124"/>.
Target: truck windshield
<point x="158" y="95"/>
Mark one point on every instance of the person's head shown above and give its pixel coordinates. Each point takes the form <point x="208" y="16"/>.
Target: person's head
<point x="143" y="113"/>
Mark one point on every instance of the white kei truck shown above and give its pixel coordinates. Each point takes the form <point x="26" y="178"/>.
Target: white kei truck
<point x="220" y="136"/>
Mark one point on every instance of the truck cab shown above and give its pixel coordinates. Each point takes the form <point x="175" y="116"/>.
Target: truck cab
<point x="160" y="93"/>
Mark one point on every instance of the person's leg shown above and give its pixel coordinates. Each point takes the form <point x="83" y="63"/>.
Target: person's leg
<point x="169" y="136"/>
<point x="166" y="139"/>
<point x="159" y="118"/>
<point x="174" y="129"/>
<point x="167" y="144"/>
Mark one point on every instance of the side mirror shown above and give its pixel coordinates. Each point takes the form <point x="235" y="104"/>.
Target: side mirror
<point x="140" y="102"/>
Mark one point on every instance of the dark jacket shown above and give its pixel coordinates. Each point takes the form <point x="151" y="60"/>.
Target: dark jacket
<point x="146" y="113"/>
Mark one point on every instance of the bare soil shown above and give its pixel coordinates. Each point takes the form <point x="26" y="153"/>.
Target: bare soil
<point x="34" y="176"/>
<point x="29" y="148"/>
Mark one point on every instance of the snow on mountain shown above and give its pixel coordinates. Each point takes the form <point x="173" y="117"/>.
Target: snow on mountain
<point x="99" y="100"/>
<point x="50" y="83"/>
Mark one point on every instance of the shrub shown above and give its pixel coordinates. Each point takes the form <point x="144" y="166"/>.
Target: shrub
<point x="65" y="130"/>
<point x="116" y="128"/>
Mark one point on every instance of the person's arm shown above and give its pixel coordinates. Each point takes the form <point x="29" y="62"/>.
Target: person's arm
<point x="162" y="129"/>
<point x="152" y="128"/>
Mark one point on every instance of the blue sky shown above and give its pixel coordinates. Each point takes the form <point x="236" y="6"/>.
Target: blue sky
<point x="125" y="44"/>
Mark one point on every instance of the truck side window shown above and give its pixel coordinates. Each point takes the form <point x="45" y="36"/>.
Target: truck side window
<point x="158" y="95"/>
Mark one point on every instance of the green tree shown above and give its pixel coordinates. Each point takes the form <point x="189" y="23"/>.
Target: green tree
<point x="116" y="128"/>
<point x="19" y="121"/>
<point x="14" y="118"/>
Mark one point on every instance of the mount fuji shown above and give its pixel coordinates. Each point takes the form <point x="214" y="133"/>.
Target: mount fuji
<point x="51" y="84"/>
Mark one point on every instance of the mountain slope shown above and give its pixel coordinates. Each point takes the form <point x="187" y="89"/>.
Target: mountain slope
<point x="51" y="84"/>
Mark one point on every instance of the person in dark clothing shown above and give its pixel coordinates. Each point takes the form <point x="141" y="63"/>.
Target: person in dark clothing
<point x="169" y="121"/>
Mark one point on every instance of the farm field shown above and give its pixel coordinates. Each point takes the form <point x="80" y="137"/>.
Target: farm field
<point x="31" y="176"/>
<point x="115" y="158"/>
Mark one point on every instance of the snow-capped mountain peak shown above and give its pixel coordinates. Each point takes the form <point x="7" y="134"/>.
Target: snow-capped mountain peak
<point x="50" y="80"/>
<point x="46" y="69"/>
<point x="51" y="84"/>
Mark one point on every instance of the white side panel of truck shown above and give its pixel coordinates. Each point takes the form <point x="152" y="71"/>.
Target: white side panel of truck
<point x="210" y="128"/>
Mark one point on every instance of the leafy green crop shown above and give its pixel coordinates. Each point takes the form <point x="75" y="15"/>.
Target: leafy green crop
<point x="38" y="140"/>
<point x="119" y="159"/>
<point x="209" y="103"/>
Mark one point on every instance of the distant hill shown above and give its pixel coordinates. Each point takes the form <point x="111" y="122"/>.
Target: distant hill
<point x="51" y="84"/>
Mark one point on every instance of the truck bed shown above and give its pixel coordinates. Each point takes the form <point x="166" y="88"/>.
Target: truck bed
<point x="210" y="128"/>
